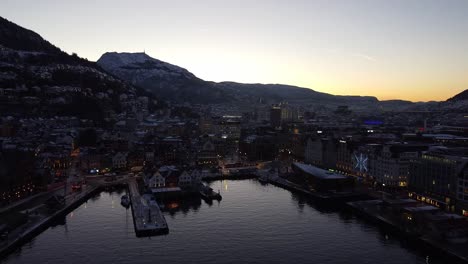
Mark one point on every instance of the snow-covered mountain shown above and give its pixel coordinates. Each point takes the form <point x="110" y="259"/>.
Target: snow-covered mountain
<point x="140" y="66"/>
<point x="168" y="81"/>
<point x="38" y="79"/>
<point x="177" y="84"/>
<point x="174" y="83"/>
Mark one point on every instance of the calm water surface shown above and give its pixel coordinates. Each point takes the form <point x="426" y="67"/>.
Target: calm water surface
<point x="253" y="223"/>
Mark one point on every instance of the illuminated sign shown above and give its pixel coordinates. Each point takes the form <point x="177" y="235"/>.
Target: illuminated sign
<point x="373" y="122"/>
<point x="360" y="162"/>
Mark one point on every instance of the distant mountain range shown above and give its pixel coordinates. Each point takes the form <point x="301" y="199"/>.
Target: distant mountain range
<point x="30" y="66"/>
<point x="178" y="84"/>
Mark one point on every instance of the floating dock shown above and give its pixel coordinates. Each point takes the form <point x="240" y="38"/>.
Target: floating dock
<point x="147" y="216"/>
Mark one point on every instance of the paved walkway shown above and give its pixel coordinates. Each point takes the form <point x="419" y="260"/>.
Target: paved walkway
<point x="22" y="202"/>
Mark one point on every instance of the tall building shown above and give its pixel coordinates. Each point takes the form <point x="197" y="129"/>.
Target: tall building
<point x="391" y="166"/>
<point x="289" y="114"/>
<point x="282" y="114"/>
<point x="321" y="152"/>
<point x="344" y="155"/>
<point x="275" y="116"/>
<point x="229" y="126"/>
<point x="440" y="177"/>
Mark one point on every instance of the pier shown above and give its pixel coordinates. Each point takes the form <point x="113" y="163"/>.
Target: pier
<point x="147" y="216"/>
<point x="454" y="253"/>
<point x="323" y="196"/>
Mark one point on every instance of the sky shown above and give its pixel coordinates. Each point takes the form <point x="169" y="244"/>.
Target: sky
<point x="395" y="49"/>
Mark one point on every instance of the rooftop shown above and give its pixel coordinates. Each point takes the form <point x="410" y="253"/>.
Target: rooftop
<point x="163" y="190"/>
<point x="425" y="208"/>
<point x="318" y="172"/>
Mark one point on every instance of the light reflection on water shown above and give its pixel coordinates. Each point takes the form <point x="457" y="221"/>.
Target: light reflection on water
<point x="253" y="223"/>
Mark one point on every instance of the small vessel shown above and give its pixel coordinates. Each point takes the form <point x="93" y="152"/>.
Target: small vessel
<point x="207" y="193"/>
<point x="125" y="201"/>
<point x="263" y="179"/>
<point x="264" y="176"/>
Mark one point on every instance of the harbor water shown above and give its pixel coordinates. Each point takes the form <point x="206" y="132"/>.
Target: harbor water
<point x="253" y="223"/>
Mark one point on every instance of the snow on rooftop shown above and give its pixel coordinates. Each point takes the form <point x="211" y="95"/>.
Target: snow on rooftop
<point x="318" y="172"/>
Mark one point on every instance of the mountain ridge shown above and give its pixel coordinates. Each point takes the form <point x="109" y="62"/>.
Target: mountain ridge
<point x="462" y="96"/>
<point x="178" y="84"/>
<point x="26" y="59"/>
<point x="13" y="36"/>
<point x="194" y="88"/>
<point x="39" y="79"/>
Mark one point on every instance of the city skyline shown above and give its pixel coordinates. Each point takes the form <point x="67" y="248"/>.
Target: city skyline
<point x="174" y="132"/>
<point x="392" y="50"/>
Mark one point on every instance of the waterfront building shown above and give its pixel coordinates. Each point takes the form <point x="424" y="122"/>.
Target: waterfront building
<point x="390" y="166"/>
<point x="196" y="176"/>
<point x="439" y="177"/>
<point x="298" y="145"/>
<point x="321" y="152"/>
<point x="255" y="147"/>
<point x="185" y="179"/>
<point x="322" y="180"/>
<point x="344" y="155"/>
<point x="207" y="155"/>
<point x="155" y="180"/>
<point x="363" y="160"/>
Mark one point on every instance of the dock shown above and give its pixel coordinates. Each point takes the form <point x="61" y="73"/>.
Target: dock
<point x="340" y="197"/>
<point x="148" y="219"/>
<point x="453" y="253"/>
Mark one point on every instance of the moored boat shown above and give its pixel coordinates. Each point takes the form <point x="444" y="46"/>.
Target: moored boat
<point x="125" y="201"/>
